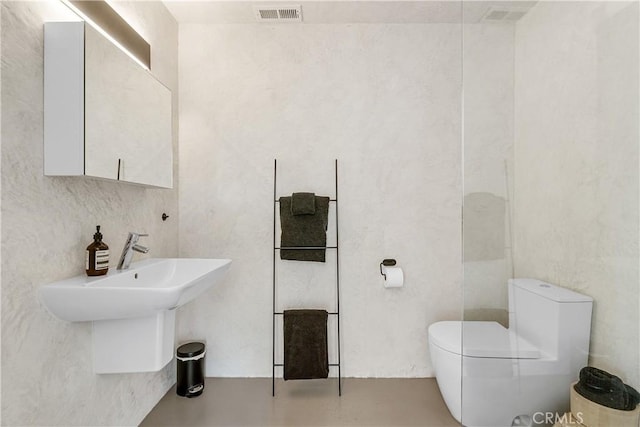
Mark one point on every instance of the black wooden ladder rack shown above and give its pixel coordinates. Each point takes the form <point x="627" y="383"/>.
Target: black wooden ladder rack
<point x="275" y="251"/>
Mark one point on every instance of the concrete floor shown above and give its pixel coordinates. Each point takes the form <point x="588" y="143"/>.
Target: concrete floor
<point x="248" y="402"/>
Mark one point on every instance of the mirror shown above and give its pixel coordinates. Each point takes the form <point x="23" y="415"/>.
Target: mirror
<point x="127" y="117"/>
<point x="105" y="116"/>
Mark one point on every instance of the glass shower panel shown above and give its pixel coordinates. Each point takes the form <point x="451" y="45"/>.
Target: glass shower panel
<point x="488" y="82"/>
<point x="550" y="192"/>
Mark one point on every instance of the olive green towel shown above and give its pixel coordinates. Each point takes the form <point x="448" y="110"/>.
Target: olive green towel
<point x="606" y="389"/>
<point x="303" y="204"/>
<point x="305" y="344"/>
<point x="304" y="231"/>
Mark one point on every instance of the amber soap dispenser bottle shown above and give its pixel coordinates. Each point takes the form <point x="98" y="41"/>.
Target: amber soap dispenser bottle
<point x="97" y="259"/>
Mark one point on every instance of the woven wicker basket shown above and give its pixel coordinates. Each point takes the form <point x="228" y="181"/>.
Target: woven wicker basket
<point x="593" y="415"/>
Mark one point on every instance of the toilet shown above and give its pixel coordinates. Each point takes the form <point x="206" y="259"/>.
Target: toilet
<point x="490" y="376"/>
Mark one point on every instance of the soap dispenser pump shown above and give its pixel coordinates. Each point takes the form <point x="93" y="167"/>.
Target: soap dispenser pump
<point x="97" y="256"/>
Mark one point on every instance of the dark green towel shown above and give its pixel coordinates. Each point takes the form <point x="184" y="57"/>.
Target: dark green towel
<point x="303" y="204"/>
<point x="304" y="231"/>
<point x="305" y="344"/>
<point x="606" y="389"/>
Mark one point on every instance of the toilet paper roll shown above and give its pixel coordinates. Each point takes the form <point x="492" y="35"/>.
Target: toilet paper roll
<point x="395" y="277"/>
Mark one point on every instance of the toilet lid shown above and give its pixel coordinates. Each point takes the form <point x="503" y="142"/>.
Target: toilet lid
<point x="481" y="339"/>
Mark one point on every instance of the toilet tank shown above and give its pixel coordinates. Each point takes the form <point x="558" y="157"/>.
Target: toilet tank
<point x="554" y="319"/>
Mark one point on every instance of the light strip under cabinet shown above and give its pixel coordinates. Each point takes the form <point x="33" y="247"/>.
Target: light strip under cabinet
<point x="96" y="10"/>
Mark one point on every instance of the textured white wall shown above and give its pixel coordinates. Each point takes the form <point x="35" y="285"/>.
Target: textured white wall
<point x="385" y="101"/>
<point x="47" y="373"/>
<point x="576" y="165"/>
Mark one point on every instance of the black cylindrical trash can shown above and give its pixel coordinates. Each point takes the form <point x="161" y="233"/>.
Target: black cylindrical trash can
<point x="190" y="365"/>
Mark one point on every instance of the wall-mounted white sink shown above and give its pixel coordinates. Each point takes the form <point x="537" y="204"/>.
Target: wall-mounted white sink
<point x="132" y="310"/>
<point x="147" y="287"/>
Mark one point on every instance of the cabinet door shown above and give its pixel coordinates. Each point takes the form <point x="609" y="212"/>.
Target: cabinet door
<point x="127" y="118"/>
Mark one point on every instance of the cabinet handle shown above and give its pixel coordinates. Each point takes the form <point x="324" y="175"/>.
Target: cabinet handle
<point x="119" y="163"/>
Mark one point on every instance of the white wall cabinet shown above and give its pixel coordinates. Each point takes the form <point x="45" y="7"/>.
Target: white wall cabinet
<point x="105" y="116"/>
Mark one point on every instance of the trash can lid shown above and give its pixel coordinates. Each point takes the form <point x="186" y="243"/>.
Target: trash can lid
<point x="190" y="349"/>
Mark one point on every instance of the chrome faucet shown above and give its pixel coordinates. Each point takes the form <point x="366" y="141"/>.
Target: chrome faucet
<point x="130" y="246"/>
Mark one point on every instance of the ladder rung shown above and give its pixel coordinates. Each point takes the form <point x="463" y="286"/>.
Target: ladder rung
<point x="282" y="364"/>
<point x="305" y="248"/>
<point x="280" y="313"/>
<point x="331" y="200"/>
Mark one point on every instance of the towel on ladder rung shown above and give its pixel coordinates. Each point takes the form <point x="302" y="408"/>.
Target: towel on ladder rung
<point x="304" y="231"/>
<point x="305" y="344"/>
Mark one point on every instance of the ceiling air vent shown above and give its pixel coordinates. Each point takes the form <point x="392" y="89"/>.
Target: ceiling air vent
<point x="281" y="13"/>
<point x="497" y="14"/>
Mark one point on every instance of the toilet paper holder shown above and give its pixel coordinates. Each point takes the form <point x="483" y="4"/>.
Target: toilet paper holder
<point x="387" y="263"/>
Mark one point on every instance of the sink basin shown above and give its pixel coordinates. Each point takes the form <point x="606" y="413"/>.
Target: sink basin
<point x="132" y="311"/>
<point x="146" y="288"/>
